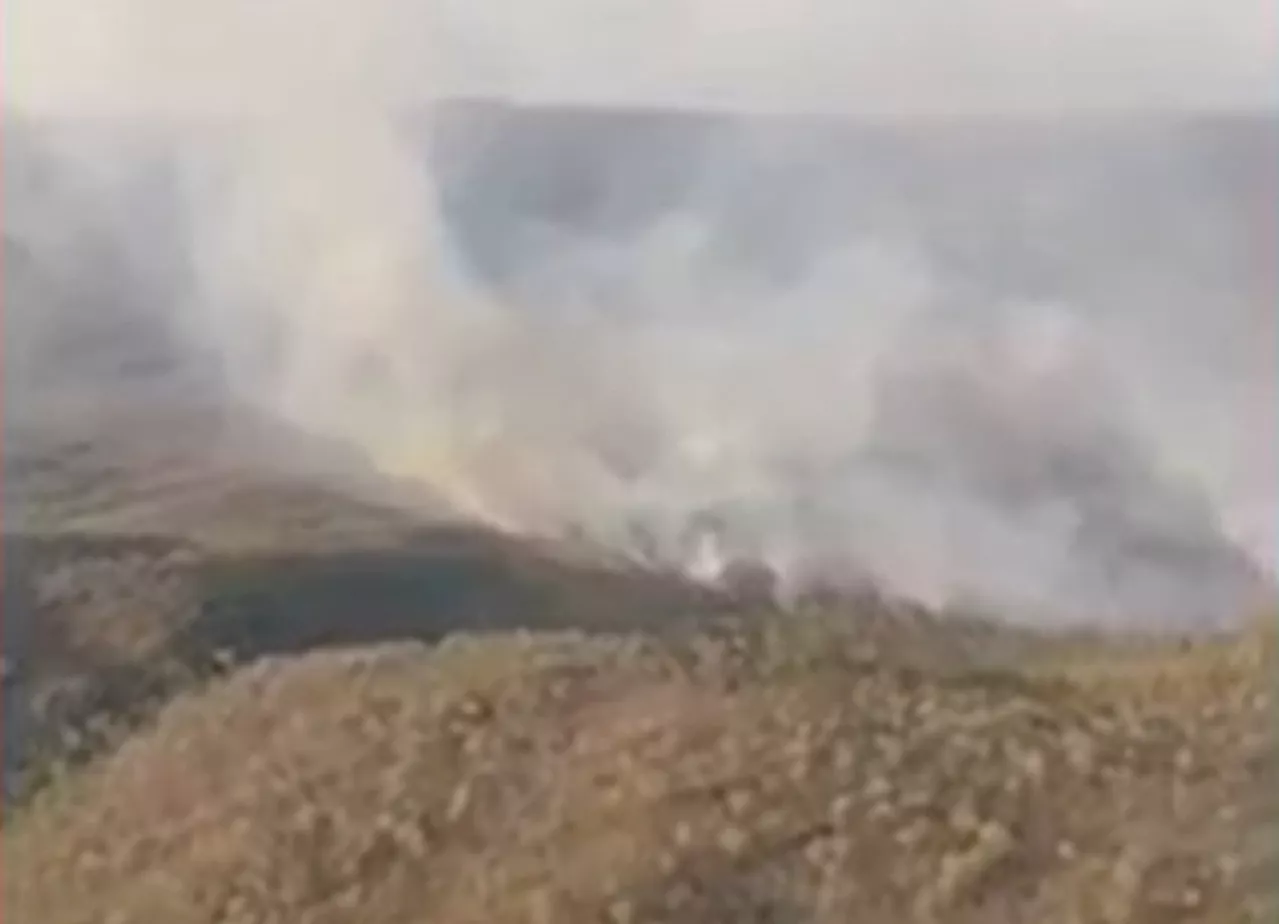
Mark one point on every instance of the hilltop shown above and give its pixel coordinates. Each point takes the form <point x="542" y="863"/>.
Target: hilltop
<point x="319" y="708"/>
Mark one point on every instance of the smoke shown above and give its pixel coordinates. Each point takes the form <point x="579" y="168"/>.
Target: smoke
<point x="986" y="55"/>
<point x="867" y="419"/>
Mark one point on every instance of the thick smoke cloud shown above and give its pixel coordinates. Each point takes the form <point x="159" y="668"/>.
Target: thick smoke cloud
<point x="868" y="418"/>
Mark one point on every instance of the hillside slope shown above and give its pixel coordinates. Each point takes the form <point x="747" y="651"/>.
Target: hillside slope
<point x="779" y="771"/>
<point x="246" y="679"/>
<point x="240" y="696"/>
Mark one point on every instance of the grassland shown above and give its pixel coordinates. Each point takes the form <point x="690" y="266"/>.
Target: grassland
<point x="244" y="699"/>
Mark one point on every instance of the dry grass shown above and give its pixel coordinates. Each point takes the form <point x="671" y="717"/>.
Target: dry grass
<point x="102" y="630"/>
<point x="657" y="763"/>
<point x="759" y="772"/>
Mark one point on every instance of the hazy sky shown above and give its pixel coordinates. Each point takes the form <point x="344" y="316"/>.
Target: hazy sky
<point x="842" y="55"/>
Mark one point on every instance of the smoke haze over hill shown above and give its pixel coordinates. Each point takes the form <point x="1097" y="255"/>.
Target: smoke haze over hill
<point x="989" y="345"/>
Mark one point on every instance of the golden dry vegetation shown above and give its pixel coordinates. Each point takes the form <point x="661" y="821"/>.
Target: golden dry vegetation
<point x="278" y="732"/>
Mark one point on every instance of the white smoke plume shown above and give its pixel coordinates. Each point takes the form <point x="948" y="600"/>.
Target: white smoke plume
<point x="1033" y="456"/>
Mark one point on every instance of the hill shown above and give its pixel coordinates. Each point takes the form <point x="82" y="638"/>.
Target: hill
<point x="783" y="771"/>
<point x="248" y="678"/>
<point x="288" y="702"/>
